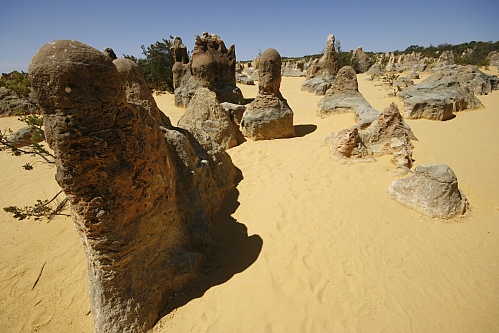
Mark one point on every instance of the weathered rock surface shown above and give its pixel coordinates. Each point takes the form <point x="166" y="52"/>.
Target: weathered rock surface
<point x="493" y="58"/>
<point x="11" y="104"/>
<point x="109" y="52"/>
<point x="376" y="70"/>
<point x="294" y="69"/>
<point x="438" y="98"/>
<point x="467" y="77"/>
<point x="142" y="192"/>
<point x="268" y="116"/>
<point x="137" y="91"/>
<point x="323" y="70"/>
<point x="346" y="145"/>
<point x="362" y="60"/>
<point x="446" y="58"/>
<point x="236" y="111"/>
<point x="180" y="68"/>
<point x="205" y="113"/>
<point x="386" y="135"/>
<point x="244" y="79"/>
<point x="432" y="190"/>
<point x="25" y="137"/>
<point x="212" y="66"/>
<point x="403" y="82"/>
<point x="344" y="96"/>
<point x="316" y="85"/>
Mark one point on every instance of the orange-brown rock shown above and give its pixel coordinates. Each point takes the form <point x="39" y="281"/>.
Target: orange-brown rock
<point x="141" y="191"/>
<point x="212" y="66"/>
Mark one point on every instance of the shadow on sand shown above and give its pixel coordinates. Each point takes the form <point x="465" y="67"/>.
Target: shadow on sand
<point x="302" y="130"/>
<point x="232" y="252"/>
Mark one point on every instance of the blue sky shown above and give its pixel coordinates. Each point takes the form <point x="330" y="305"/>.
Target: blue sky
<point x="292" y="28"/>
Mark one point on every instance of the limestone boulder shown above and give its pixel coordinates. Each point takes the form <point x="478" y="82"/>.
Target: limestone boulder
<point x="361" y="60"/>
<point x="469" y="76"/>
<point x="316" y="85"/>
<point x="324" y="69"/>
<point x="236" y="111"/>
<point x="376" y="70"/>
<point x="438" y="99"/>
<point x="142" y="192"/>
<point x="446" y="58"/>
<point x="432" y="190"/>
<point x="11" y="103"/>
<point x="493" y="58"/>
<point x="205" y="113"/>
<point x="344" y="97"/>
<point x="211" y="66"/>
<point x="268" y="116"/>
<point x="346" y="145"/>
<point x="386" y="135"/>
<point x="25" y="137"/>
<point x="244" y="79"/>
<point x="137" y="91"/>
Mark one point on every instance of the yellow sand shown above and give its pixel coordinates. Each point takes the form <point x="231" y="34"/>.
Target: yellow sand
<point x="327" y="250"/>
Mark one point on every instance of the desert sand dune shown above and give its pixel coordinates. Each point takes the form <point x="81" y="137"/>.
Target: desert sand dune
<point x="335" y="254"/>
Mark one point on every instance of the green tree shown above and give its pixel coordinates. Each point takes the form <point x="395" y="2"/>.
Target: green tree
<point x="157" y="64"/>
<point x="18" y="83"/>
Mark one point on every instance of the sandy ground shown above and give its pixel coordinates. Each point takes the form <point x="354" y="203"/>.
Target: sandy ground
<point x="326" y="250"/>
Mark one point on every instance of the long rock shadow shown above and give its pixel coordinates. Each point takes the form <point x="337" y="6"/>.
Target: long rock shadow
<point x="302" y="130"/>
<point x="233" y="251"/>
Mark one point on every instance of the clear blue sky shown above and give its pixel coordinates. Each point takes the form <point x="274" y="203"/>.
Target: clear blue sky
<point x="294" y="28"/>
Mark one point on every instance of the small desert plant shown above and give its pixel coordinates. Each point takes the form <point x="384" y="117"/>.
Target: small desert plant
<point x="18" y="83"/>
<point x="388" y="79"/>
<point x="41" y="209"/>
<point x="35" y="122"/>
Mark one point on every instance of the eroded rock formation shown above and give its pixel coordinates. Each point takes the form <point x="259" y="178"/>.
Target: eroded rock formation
<point x="180" y="67"/>
<point x="212" y="66"/>
<point x="344" y="96"/>
<point x="386" y="135"/>
<point x="268" y="116"/>
<point x="432" y="190"/>
<point x="361" y="60"/>
<point x="322" y="72"/>
<point x="142" y="192"/>
<point x="205" y="113"/>
<point x="438" y="97"/>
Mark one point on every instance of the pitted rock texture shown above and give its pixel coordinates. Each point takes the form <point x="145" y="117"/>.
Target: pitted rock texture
<point x="206" y="114"/>
<point x="141" y="192"/>
<point x="212" y="66"/>
<point x="268" y="116"/>
<point x="386" y="135"/>
<point x="432" y="190"/>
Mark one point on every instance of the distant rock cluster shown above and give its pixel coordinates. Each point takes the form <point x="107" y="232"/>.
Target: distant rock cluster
<point x="446" y="92"/>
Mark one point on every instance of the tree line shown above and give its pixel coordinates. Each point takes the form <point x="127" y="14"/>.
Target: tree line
<point x="478" y="55"/>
